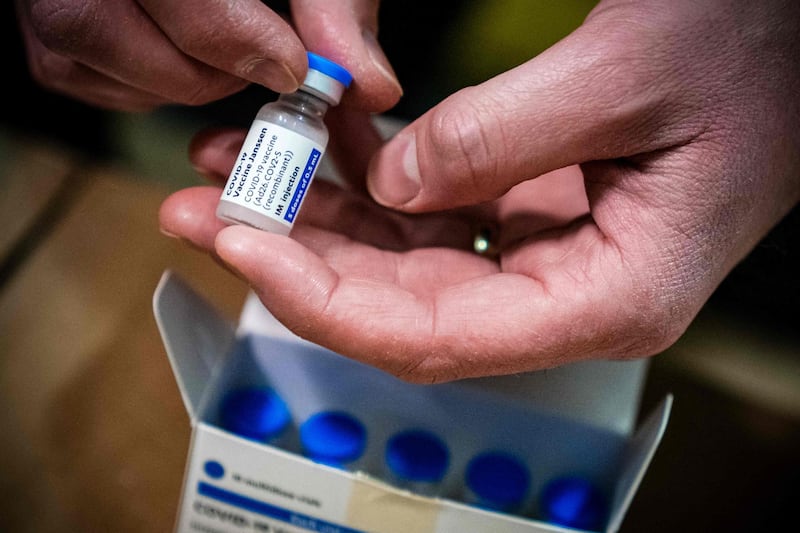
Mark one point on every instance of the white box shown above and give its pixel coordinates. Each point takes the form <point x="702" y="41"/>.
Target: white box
<point x="576" y="418"/>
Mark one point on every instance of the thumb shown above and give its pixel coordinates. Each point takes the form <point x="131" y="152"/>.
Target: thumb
<point x="584" y="99"/>
<point x="346" y="31"/>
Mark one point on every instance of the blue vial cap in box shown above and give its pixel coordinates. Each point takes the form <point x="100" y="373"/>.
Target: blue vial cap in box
<point x="333" y="437"/>
<point x="417" y="455"/>
<point x="498" y="479"/>
<point x="329" y="68"/>
<point x="256" y="413"/>
<point x="574" y="501"/>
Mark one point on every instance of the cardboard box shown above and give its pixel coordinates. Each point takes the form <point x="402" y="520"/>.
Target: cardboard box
<point x="574" y="419"/>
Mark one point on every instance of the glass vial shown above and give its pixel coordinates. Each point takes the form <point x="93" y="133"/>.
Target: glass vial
<point x="255" y="413"/>
<point x="497" y="481"/>
<point x="333" y="438"/>
<point x="417" y="460"/>
<point x="282" y="151"/>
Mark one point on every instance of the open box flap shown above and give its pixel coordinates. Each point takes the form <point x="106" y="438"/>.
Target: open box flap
<point x="195" y="336"/>
<point x="640" y="451"/>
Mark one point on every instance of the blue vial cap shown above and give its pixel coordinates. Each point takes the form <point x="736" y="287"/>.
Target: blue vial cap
<point x="498" y="479"/>
<point x="256" y="413"/>
<point x="417" y="455"/>
<point x="574" y="501"/>
<point x="329" y="68"/>
<point x="333" y="437"/>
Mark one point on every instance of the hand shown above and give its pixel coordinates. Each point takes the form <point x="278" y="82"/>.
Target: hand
<point x="139" y="54"/>
<point x="684" y="119"/>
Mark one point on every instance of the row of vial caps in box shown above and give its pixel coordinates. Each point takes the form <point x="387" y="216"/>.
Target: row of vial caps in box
<point x="414" y="458"/>
<point x="552" y="446"/>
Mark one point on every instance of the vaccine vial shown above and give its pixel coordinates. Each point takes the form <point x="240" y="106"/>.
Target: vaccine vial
<point x="256" y="413"/>
<point x="575" y="502"/>
<point x="498" y="481"/>
<point x="417" y="460"/>
<point x="281" y="152"/>
<point x="333" y="438"/>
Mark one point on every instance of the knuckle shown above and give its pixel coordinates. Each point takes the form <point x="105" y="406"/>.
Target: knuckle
<point x="460" y="136"/>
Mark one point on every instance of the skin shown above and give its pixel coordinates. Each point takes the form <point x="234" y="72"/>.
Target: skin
<point x="136" y="55"/>
<point x="625" y="172"/>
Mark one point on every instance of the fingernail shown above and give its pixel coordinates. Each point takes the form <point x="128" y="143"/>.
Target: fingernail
<point x="209" y="175"/>
<point x="230" y="141"/>
<point x="379" y="60"/>
<point x="182" y="240"/>
<point x="167" y="233"/>
<point x="400" y="179"/>
<point x="276" y="76"/>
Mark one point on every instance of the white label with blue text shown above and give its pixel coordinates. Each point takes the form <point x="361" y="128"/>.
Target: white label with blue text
<point x="273" y="171"/>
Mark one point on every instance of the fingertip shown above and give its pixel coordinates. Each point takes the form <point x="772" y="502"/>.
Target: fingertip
<point x="345" y="32"/>
<point x="174" y="214"/>
<point x="279" y="62"/>
<point x="189" y="215"/>
<point x="380" y="62"/>
<point x="376" y="87"/>
<point x="236" y="243"/>
<point x="213" y="151"/>
<point x="280" y="76"/>
<point x="354" y="140"/>
<point x="393" y="177"/>
<point x="219" y="139"/>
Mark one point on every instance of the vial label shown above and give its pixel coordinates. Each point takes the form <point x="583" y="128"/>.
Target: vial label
<point x="273" y="171"/>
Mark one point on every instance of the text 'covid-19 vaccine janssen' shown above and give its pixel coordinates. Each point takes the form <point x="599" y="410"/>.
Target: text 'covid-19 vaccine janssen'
<point x="281" y="152"/>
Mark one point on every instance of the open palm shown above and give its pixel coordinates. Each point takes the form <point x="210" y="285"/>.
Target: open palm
<point x="684" y="121"/>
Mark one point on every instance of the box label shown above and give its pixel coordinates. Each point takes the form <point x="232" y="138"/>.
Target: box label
<point x="263" y="510"/>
